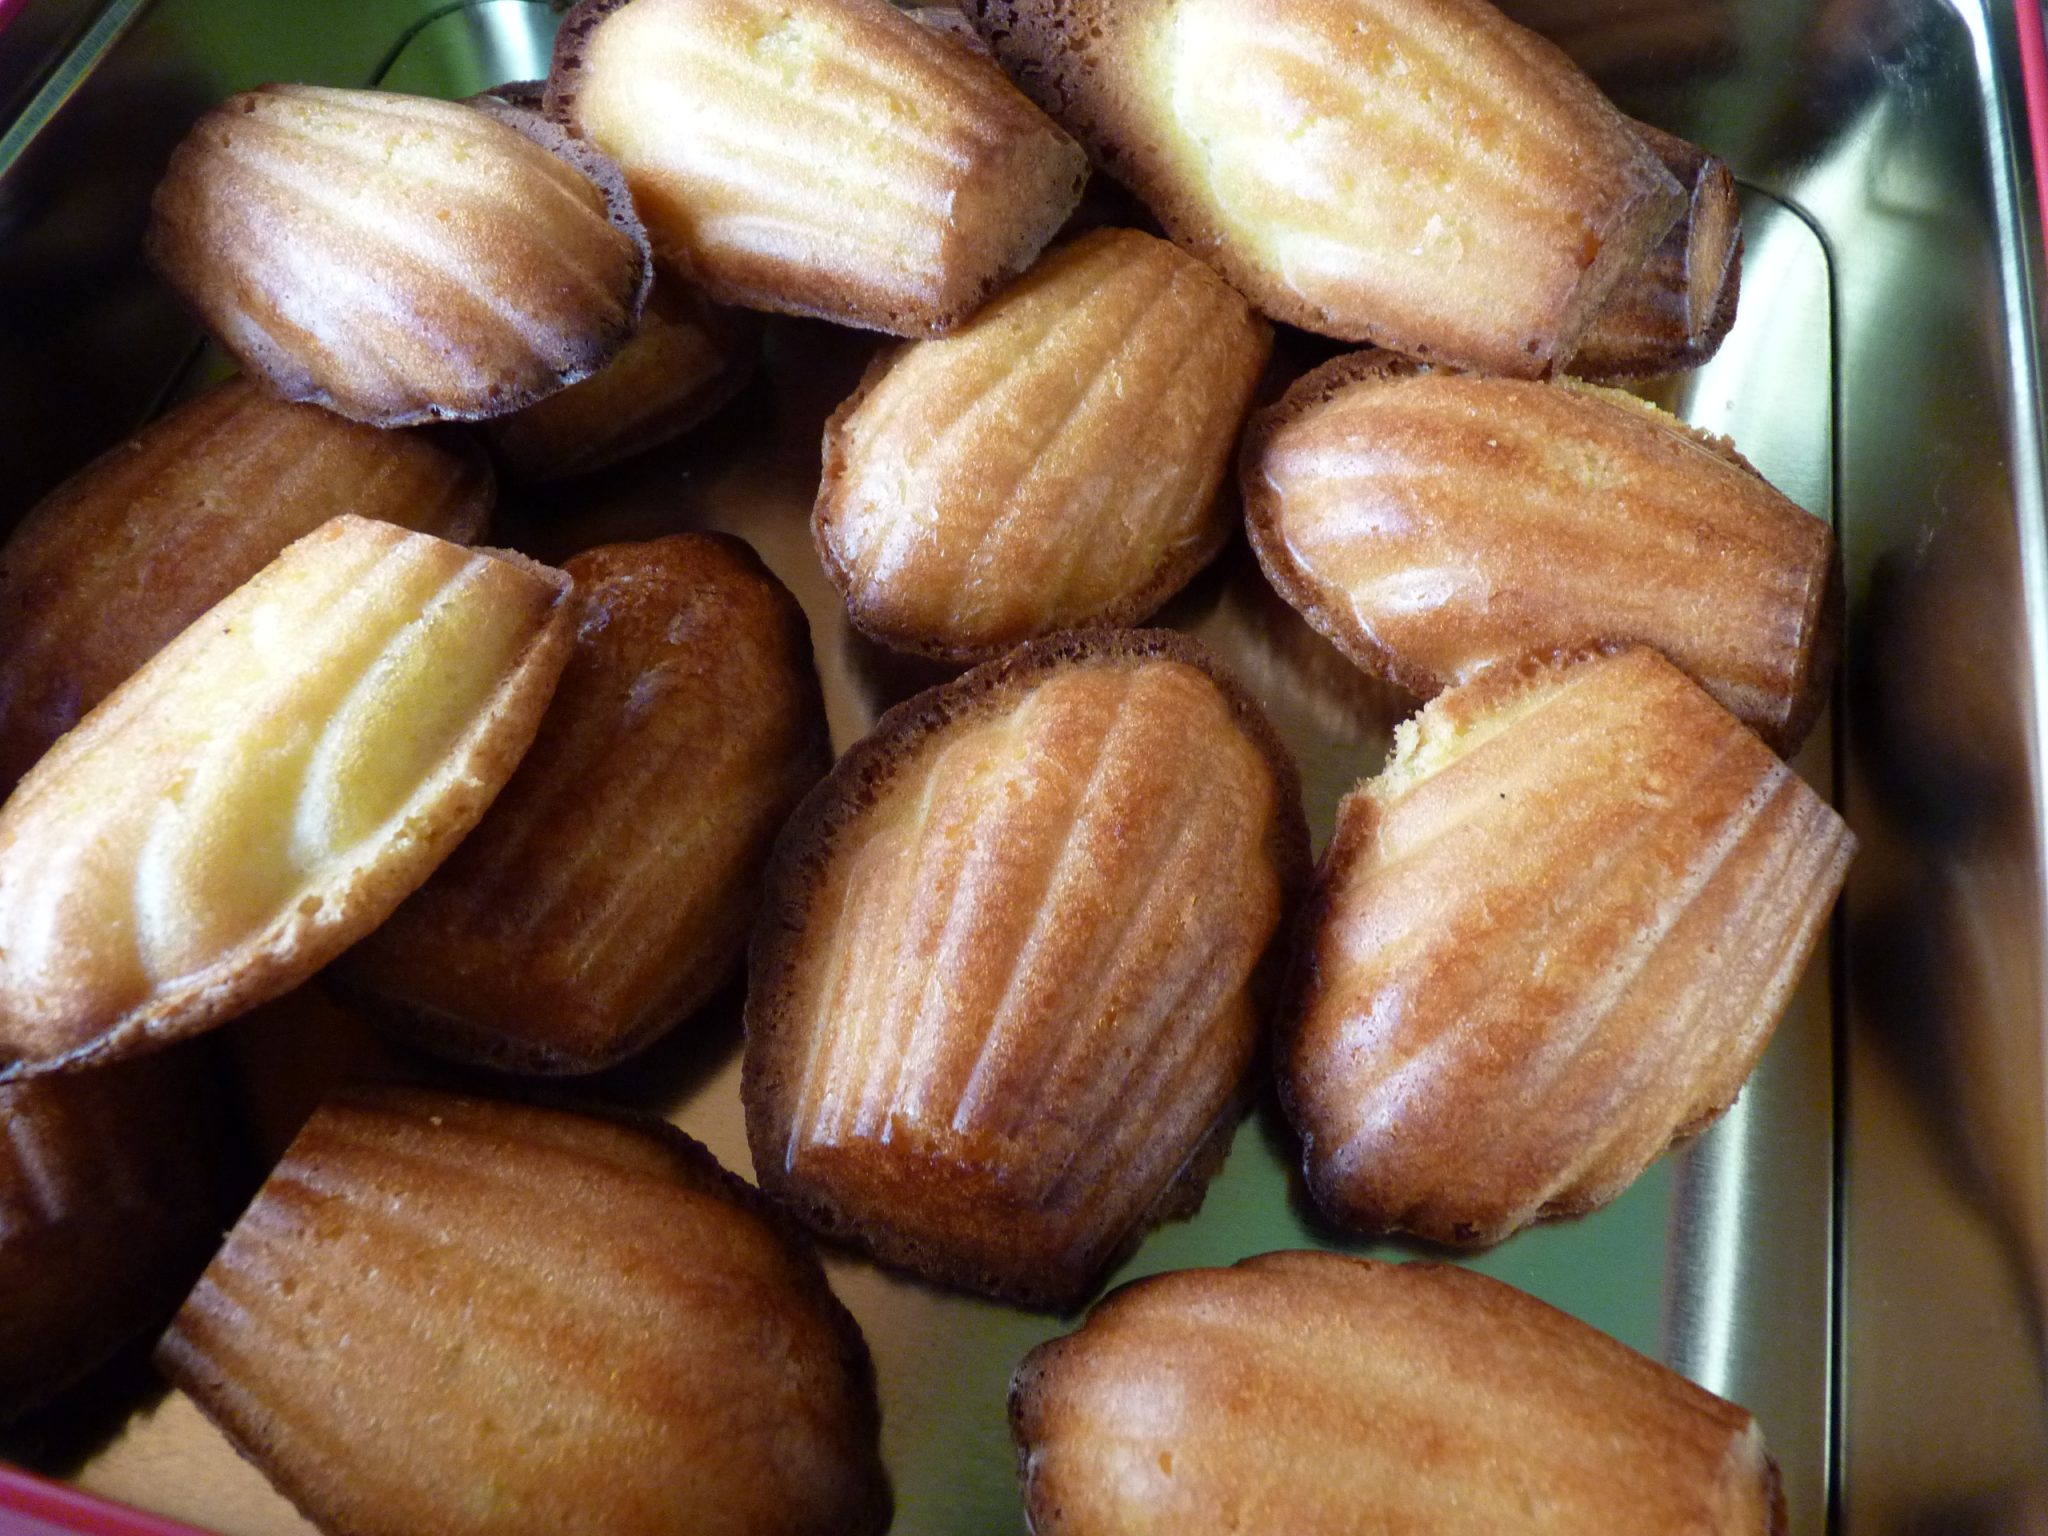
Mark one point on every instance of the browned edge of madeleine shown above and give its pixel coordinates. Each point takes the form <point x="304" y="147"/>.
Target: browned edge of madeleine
<point x="463" y="1040"/>
<point x="700" y="1169"/>
<point x="1125" y="612"/>
<point x="805" y="849"/>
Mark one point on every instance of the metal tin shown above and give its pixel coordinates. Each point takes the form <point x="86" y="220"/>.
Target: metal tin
<point x="1857" y="1252"/>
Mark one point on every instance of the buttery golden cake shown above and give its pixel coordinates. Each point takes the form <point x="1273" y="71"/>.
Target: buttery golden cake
<point x="817" y="157"/>
<point x="1422" y="174"/>
<point x="1001" y="1002"/>
<point x="471" y="1318"/>
<point x="1052" y="463"/>
<point x="1552" y="937"/>
<point x="105" y="570"/>
<point x="267" y="788"/>
<point x="685" y="359"/>
<point x="611" y="887"/>
<point x="1673" y="311"/>
<point x="111" y="1202"/>
<point x="1433" y="524"/>
<point x="397" y="259"/>
<point x="1321" y="1395"/>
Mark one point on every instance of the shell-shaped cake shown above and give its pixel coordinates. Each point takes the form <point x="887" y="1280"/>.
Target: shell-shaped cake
<point x="687" y="358"/>
<point x="1324" y="1395"/>
<point x="1433" y="524"/>
<point x="453" y="1315"/>
<point x="611" y="886"/>
<point x="1550" y="939"/>
<point x="1051" y="464"/>
<point x="110" y="1204"/>
<point x="397" y="259"/>
<point x="817" y="157"/>
<point x="1422" y="174"/>
<point x="267" y="788"/>
<point x="109" y="567"/>
<point x="1674" y="311"/>
<point x="1001" y="1004"/>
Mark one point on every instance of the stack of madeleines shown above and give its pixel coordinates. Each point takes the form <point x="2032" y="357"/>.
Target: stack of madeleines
<point x="1014" y="961"/>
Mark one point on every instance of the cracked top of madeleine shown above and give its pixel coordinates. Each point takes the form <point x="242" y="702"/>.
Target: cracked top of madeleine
<point x="397" y="259"/>
<point x="1422" y="174"/>
<point x="1432" y="524"/>
<point x="267" y="788"/>
<point x="817" y="157"/>
<point x="1001" y="1005"/>
<point x="451" y="1315"/>
<point x="1323" y="1395"/>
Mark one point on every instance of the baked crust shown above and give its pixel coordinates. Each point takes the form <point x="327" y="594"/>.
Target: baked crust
<point x="1002" y="995"/>
<point x="396" y="259"/>
<point x="455" y="1315"/>
<point x="106" y="570"/>
<point x="267" y="788"/>
<point x="830" y="158"/>
<point x="110" y="1203"/>
<point x="1053" y="463"/>
<point x="610" y="888"/>
<point x="1553" y="937"/>
<point x="1421" y="174"/>
<point x="1324" y="1395"/>
<point x="1432" y="524"/>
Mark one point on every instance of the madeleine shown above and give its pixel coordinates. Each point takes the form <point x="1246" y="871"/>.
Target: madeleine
<point x="451" y="1315"/>
<point x="111" y="1200"/>
<point x="1001" y="1003"/>
<point x="267" y="788"/>
<point x="610" y="888"/>
<point x="817" y="157"/>
<point x="1419" y="173"/>
<point x="1052" y="463"/>
<point x="396" y="259"/>
<point x="1550" y="939"/>
<point x="112" y="564"/>
<point x="1432" y="525"/>
<point x="1323" y="1395"/>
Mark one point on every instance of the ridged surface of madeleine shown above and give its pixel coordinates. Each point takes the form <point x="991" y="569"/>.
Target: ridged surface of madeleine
<point x="267" y="788"/>
<point x="687" y="357"/>
<point x="1000" y="1007"/>
<point x="817" y="157"/>
<point x="1323" y="1395"/>
<point x="1554" y="935"/>
<point x="1418" y="173"/>
<point x="110" y="1203"/>
<point x="397" y="259"/>
<point x="611" y="886"/>
<point x="1433" y="524"/>
<point x="107" y="568"/>
<point x="451" y="1315"/>
<point x="1052" y="463"/>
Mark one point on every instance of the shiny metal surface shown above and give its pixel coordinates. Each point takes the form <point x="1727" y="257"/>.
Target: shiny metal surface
<point x="1856" y="1252"/>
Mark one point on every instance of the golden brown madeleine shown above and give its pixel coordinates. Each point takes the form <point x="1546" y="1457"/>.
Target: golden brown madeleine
<point x="1001" y="1002"/>
<point x="267" y="788"/>
<point x="1323" y="1395"/>
<point x="612" y="885"/>
<point x="1052" y="463"/>
<point x="1674" y="311"/>
<point x="107" y="568"/>
<point x="110" y="1204"/>
<point x="1432" y="524"/>
<point x="1553" y="936"/>
<point x="687" y="358"/>
<point x="817" y="157"/>
<point x="396" y="259"/>
<point x="1419" y="173"/>
<point x="452" y="1315"/>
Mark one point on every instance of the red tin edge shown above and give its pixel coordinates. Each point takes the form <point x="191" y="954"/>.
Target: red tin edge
<point x="32" y="1506"/>
<point x="2034" y="76"/>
